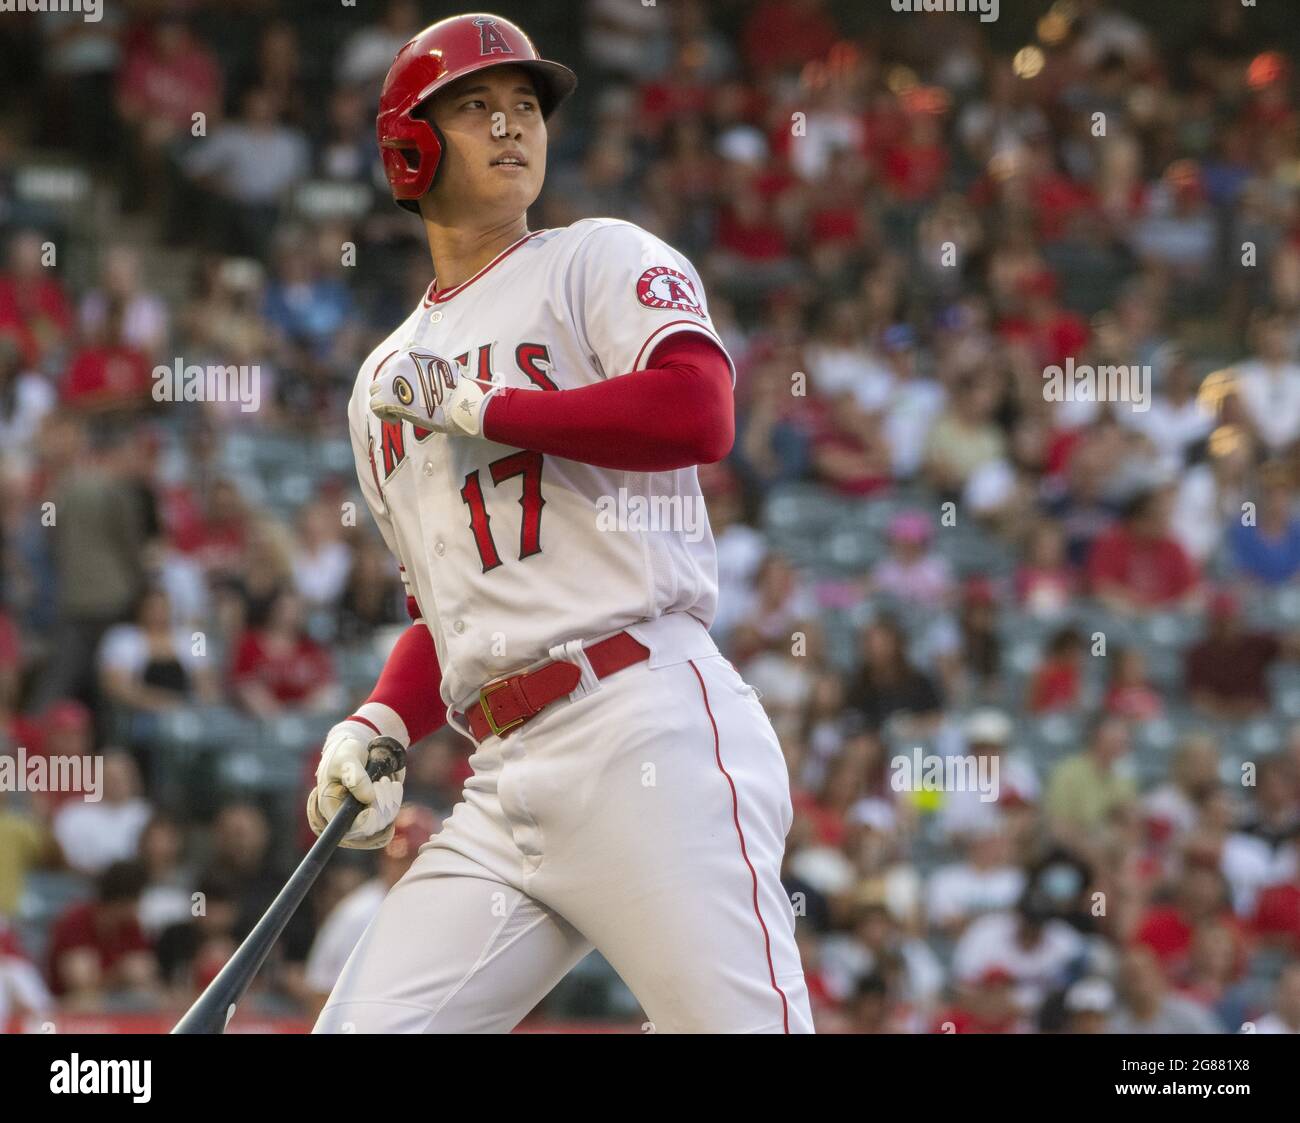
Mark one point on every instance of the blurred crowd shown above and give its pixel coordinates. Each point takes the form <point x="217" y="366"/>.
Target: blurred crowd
<point x="902" y="221"/>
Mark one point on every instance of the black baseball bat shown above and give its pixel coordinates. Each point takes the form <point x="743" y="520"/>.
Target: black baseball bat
<point x="215" y="1007"/>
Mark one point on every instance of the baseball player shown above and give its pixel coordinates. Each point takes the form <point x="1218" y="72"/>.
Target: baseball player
<point x="526" y="441"/>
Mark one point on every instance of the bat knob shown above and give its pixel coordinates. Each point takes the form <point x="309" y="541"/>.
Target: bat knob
<point x="386" y="757"/>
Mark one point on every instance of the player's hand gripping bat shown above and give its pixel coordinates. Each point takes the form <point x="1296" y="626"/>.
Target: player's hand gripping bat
<point x="216" y="1005"/>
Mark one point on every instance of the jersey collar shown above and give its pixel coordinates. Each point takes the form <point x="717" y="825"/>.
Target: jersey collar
<point x="432" y="297"/>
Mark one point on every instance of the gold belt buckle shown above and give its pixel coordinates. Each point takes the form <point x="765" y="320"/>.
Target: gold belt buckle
<point x="486" y="693"/>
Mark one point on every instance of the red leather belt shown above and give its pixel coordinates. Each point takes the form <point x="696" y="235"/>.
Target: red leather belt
<point x="503" y="706"/>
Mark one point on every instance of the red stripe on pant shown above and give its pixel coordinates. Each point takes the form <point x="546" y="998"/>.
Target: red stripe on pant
<point x="744" y="852"/>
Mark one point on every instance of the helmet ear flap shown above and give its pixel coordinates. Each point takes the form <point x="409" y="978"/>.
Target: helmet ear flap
<point x="413" y="205"/>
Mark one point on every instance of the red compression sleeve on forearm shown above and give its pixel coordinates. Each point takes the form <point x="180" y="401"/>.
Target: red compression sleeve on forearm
<point x="677" y="412"/>
<point x="409" y="683"/>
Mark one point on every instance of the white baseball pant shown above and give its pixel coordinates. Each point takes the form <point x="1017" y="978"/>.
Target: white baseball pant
<point x="644" y="816"/>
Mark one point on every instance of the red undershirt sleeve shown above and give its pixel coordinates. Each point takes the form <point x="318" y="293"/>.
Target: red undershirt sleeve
<point x="409" y="686"/>
<point x="678" y="412"/>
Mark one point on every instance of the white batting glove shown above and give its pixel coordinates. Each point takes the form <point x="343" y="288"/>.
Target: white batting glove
<point x="427" y="391"/>
<point x="342" y="769"/>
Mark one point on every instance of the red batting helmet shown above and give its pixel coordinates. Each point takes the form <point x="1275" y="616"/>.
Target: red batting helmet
<point x="441" y="53"/>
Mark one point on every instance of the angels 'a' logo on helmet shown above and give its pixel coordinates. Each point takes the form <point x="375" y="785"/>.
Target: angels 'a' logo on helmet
<point x="662" y="287"/>
<point x="490" y="39"/>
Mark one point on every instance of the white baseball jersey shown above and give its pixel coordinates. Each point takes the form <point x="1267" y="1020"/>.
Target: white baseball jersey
<point x="509" y="552"/>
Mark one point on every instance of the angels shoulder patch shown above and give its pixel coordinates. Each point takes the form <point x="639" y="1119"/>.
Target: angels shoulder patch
<point x="662" y="287"/>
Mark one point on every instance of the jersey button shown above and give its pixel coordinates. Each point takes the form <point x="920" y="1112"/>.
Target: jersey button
<point x="459" y="627"/>
<point x="435" y="317"/>
<point x="439" y="549"/>
<point x="428" y="467"/>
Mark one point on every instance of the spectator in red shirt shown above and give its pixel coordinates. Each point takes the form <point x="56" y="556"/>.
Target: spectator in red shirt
<point x="1056" y="682"/>
<point x="99" y="946"/>
<point x="850" y="451"/>
<point x="108" y="373"/>
<point x="987" y="1006"/>
<point x="164" y="81"/>
<point x="278" y="666"/>
<point x="1227" y="671"/>
<point x="1277" y="915"/>
<point x="914" y="170"/>
<point x="34" y="306"/>
<point x="1053" y="333"/>
<point x="1201" y="898"/>
<point x="1137" y="565"/>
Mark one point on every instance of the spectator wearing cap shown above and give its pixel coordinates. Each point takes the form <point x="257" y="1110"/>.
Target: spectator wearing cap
<point x="1088" y="1004"/>
<point x="64" y="728"/>
<point x="1226" y="672"/>
<point x="1148" y="1006"/>
<point x="99" y="947"/>
<point x="987" y="1004"/>
<point x="1178" y="232"/>
<point x="1284" y="1017"/>
<point x="987" y="736"/>
<point x="345" y="924"/>
<point x="1266" y="549"/>
<point x="94" y="835"/>
<point x="912" y="572"/>
<point x="1085" y="788"/>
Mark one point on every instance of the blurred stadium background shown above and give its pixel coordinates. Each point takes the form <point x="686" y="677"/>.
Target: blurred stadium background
<point x="1109" y="607"/>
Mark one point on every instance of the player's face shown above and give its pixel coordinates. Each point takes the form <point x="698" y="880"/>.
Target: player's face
<point x="495" y="156"/>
